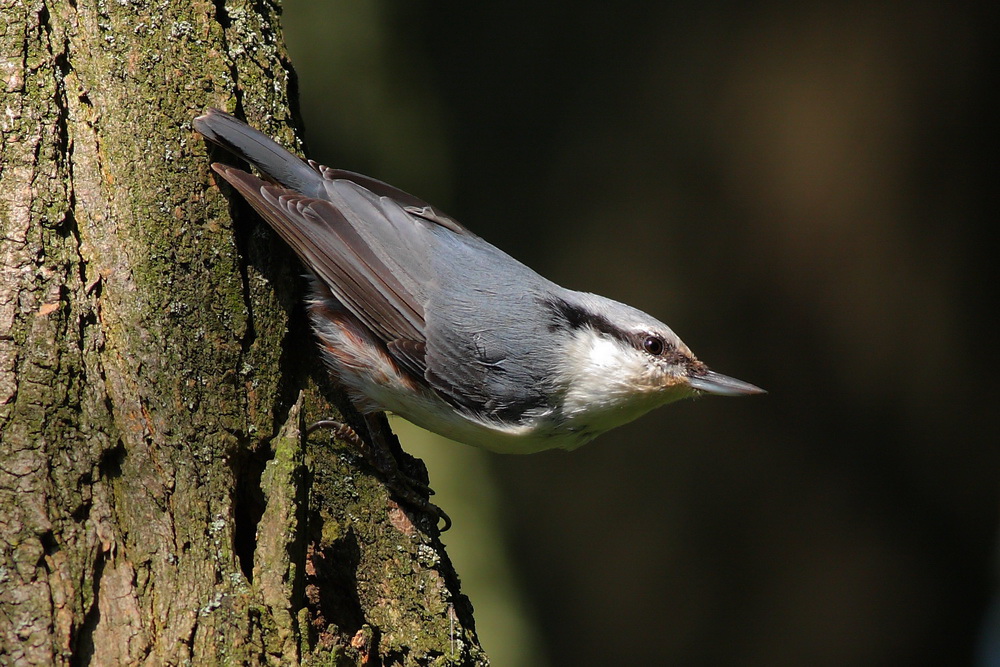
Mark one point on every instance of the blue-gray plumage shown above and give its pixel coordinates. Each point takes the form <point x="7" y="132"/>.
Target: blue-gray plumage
<point x="418" y="316"/>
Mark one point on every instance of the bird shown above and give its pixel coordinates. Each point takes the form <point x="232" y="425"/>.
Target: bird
<point x="418" y="316"/>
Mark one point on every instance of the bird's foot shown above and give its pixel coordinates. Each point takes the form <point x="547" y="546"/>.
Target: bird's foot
<point x="378" y="454"/>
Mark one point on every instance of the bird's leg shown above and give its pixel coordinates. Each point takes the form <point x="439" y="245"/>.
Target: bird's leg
<point x="380" y="456"/>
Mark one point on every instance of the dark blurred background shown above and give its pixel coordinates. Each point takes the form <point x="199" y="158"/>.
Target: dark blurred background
<point x="801" y="192"/>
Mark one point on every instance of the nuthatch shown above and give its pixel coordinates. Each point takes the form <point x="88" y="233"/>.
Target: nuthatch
<point x="417" y="315"/>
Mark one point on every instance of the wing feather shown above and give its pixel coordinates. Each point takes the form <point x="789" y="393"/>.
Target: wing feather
<point x="408" y="202"/>
<point x="323" y="237"/>
<point x="409" y="273"/>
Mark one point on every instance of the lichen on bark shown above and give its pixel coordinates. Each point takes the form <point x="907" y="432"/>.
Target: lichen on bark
<point x="158" y="502"/>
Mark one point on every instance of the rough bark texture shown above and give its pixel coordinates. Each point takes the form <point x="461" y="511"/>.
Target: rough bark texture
<point x="158" y="503"/>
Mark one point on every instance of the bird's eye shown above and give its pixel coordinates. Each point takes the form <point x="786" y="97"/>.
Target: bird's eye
<point x="653" y="345"/>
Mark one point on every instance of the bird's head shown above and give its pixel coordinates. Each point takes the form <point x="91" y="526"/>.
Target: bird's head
<point x="619" y="362"/>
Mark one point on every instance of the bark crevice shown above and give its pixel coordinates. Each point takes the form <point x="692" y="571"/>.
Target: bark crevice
<point x="158" y="501"/>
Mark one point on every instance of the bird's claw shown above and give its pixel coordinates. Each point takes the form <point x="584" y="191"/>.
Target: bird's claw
<point x="410" y="491"/>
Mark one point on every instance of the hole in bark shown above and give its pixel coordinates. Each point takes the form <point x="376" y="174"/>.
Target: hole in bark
<point x="110" y="465"/>
<point x="248" y="507"/>
<point x="82" y="511"/>
<point x="49" y="544"/>
<point x="331" y="587"/>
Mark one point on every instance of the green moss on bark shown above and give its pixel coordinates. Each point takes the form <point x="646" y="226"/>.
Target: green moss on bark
<point x="156" y="498"/>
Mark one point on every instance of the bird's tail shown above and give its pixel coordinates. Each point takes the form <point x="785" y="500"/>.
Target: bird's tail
<point x="259" y="150"/>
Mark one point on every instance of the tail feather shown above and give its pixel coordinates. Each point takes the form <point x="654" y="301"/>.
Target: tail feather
<point x="261" y="151"/>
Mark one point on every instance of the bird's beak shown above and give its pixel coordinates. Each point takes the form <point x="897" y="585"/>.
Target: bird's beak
<point x="716" y="383"/>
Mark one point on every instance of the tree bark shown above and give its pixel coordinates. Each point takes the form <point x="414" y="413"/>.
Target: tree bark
<point x="159" y="502"/>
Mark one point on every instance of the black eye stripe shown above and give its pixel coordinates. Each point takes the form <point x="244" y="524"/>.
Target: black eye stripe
<point x="574" y="317"/>
<point x="566" y="315"/>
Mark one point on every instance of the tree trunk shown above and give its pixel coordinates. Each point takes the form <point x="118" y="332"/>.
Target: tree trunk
<point x="158" y="500"/>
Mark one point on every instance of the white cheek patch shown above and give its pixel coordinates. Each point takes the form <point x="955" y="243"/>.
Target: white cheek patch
<point x="604" y="353"/>
<point x="599" y="371"/>
<point x="604" y="361"/>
